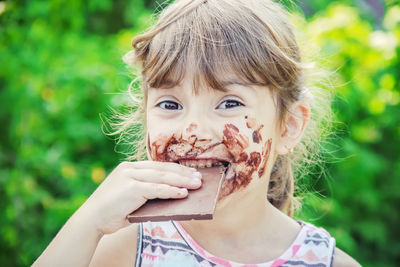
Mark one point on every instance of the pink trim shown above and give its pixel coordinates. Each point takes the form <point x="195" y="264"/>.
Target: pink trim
<point x="295" y="249"/>
<point x="278" y="263"/>
<point x="220" y="261"/>
<point x="289" y="253"/>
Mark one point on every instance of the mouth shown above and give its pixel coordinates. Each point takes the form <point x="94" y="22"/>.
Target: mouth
<point x="203" y="163"/>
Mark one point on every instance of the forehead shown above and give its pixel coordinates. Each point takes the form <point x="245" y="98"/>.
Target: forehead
<point x="205" y="64"/>
<point x="191" y="86"/>
<point x="198" y="83"/>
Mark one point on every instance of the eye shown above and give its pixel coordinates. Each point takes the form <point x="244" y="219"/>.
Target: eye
<point x="230" y="103"/>
<point x="169" y="105"/>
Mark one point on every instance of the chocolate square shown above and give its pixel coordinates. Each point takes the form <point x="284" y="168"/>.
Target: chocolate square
<point x="198" y="205"/>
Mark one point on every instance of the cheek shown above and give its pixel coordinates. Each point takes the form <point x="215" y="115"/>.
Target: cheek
<point x="159" y="138"/>
<point x="256" y="127"/>
<point x="157" y="148"/>
<point x="250" y="155"/>
<point x="234" y="141"/>
<point x="157" y="128"/>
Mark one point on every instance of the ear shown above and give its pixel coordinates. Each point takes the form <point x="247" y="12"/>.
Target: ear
<point x="295" y="124"/>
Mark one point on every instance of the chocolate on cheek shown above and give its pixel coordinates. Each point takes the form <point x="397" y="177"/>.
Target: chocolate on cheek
<point x="244" y="167"/>
<point x="244" y="164"/>
<point x="158" y="147"/>
<point x="266" y="152"/>
<point x="234" y="141"/>
<point x="252" y="124"/>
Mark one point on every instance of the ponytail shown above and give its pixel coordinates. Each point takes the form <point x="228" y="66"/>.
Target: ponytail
<point x="281" y="185"/>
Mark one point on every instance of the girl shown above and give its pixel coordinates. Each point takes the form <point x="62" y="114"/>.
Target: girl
<point x="222" y="83"/>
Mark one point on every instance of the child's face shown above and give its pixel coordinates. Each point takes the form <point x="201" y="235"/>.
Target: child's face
<point x="236" y="127"/>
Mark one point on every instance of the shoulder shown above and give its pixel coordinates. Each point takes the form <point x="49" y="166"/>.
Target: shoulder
<point x="342" y="259"/>
<point x="319" y="235"/>
<point x="117" y="249"/>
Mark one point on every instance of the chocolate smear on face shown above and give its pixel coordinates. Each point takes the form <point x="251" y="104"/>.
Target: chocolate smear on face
<point x="252" y="124"/>
<point x="192" y="127"/>
<point x="173" y="148"/>
<point x="159" y="147"/>
<point x="234" y="141"/>
<point x="192" y="139"/>
<point x="244" y="165"/>
<point x="232" y="149"/>
<point x="256" y="137"/>
<point x="266" y="151"/>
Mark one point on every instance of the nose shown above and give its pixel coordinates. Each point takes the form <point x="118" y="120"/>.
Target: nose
<point x="194" y="131"/>
<point x="198" y="127"/>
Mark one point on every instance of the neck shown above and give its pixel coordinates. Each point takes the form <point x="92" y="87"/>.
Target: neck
<point x="245" y="218"/>
<point x="242" y="211"/>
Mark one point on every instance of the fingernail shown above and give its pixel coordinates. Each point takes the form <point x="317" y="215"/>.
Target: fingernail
<point x="195" y="181"/>
<point x="182" y="191"/>
<point x="197" y="175"/>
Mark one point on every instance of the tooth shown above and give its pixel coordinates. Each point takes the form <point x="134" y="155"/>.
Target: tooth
<point x="201" y="163"/>
<point x="193" y="164"/>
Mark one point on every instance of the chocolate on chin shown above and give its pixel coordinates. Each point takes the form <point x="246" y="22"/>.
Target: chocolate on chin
<point x="198" y="205"/>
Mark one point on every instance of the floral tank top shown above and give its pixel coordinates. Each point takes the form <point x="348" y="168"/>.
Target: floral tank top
<point x="168" y="244"/>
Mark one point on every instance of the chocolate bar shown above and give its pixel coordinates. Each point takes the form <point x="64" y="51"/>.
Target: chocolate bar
<point x="198" y="205"/>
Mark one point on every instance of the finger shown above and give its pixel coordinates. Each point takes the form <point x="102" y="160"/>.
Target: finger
<point x="163" y="191"/>
<point x="170" y="178"/>
<point x="162" y="166"/>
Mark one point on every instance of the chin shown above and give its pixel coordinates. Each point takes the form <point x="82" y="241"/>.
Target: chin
<point x="229" y="200"/>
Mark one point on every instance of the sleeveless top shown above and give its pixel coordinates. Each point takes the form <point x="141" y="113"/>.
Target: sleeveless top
<point x="168" y="244"/>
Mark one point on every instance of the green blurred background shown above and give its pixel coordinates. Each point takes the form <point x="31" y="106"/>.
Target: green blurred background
<point x="60" y="67"/>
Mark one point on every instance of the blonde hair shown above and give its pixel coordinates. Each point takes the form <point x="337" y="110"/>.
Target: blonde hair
<point x="251" y="39"/>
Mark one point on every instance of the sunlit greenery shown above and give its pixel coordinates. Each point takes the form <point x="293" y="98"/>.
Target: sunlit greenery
<point x="60" y="67"/>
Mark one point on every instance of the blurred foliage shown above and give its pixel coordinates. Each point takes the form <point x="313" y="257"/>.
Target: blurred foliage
<point x="60" y="67"/>
<point x="362" y="192"/>
<point x="362" y="205"/>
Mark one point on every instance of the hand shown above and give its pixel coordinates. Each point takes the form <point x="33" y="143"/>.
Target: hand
<point x="130" y="185"/>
